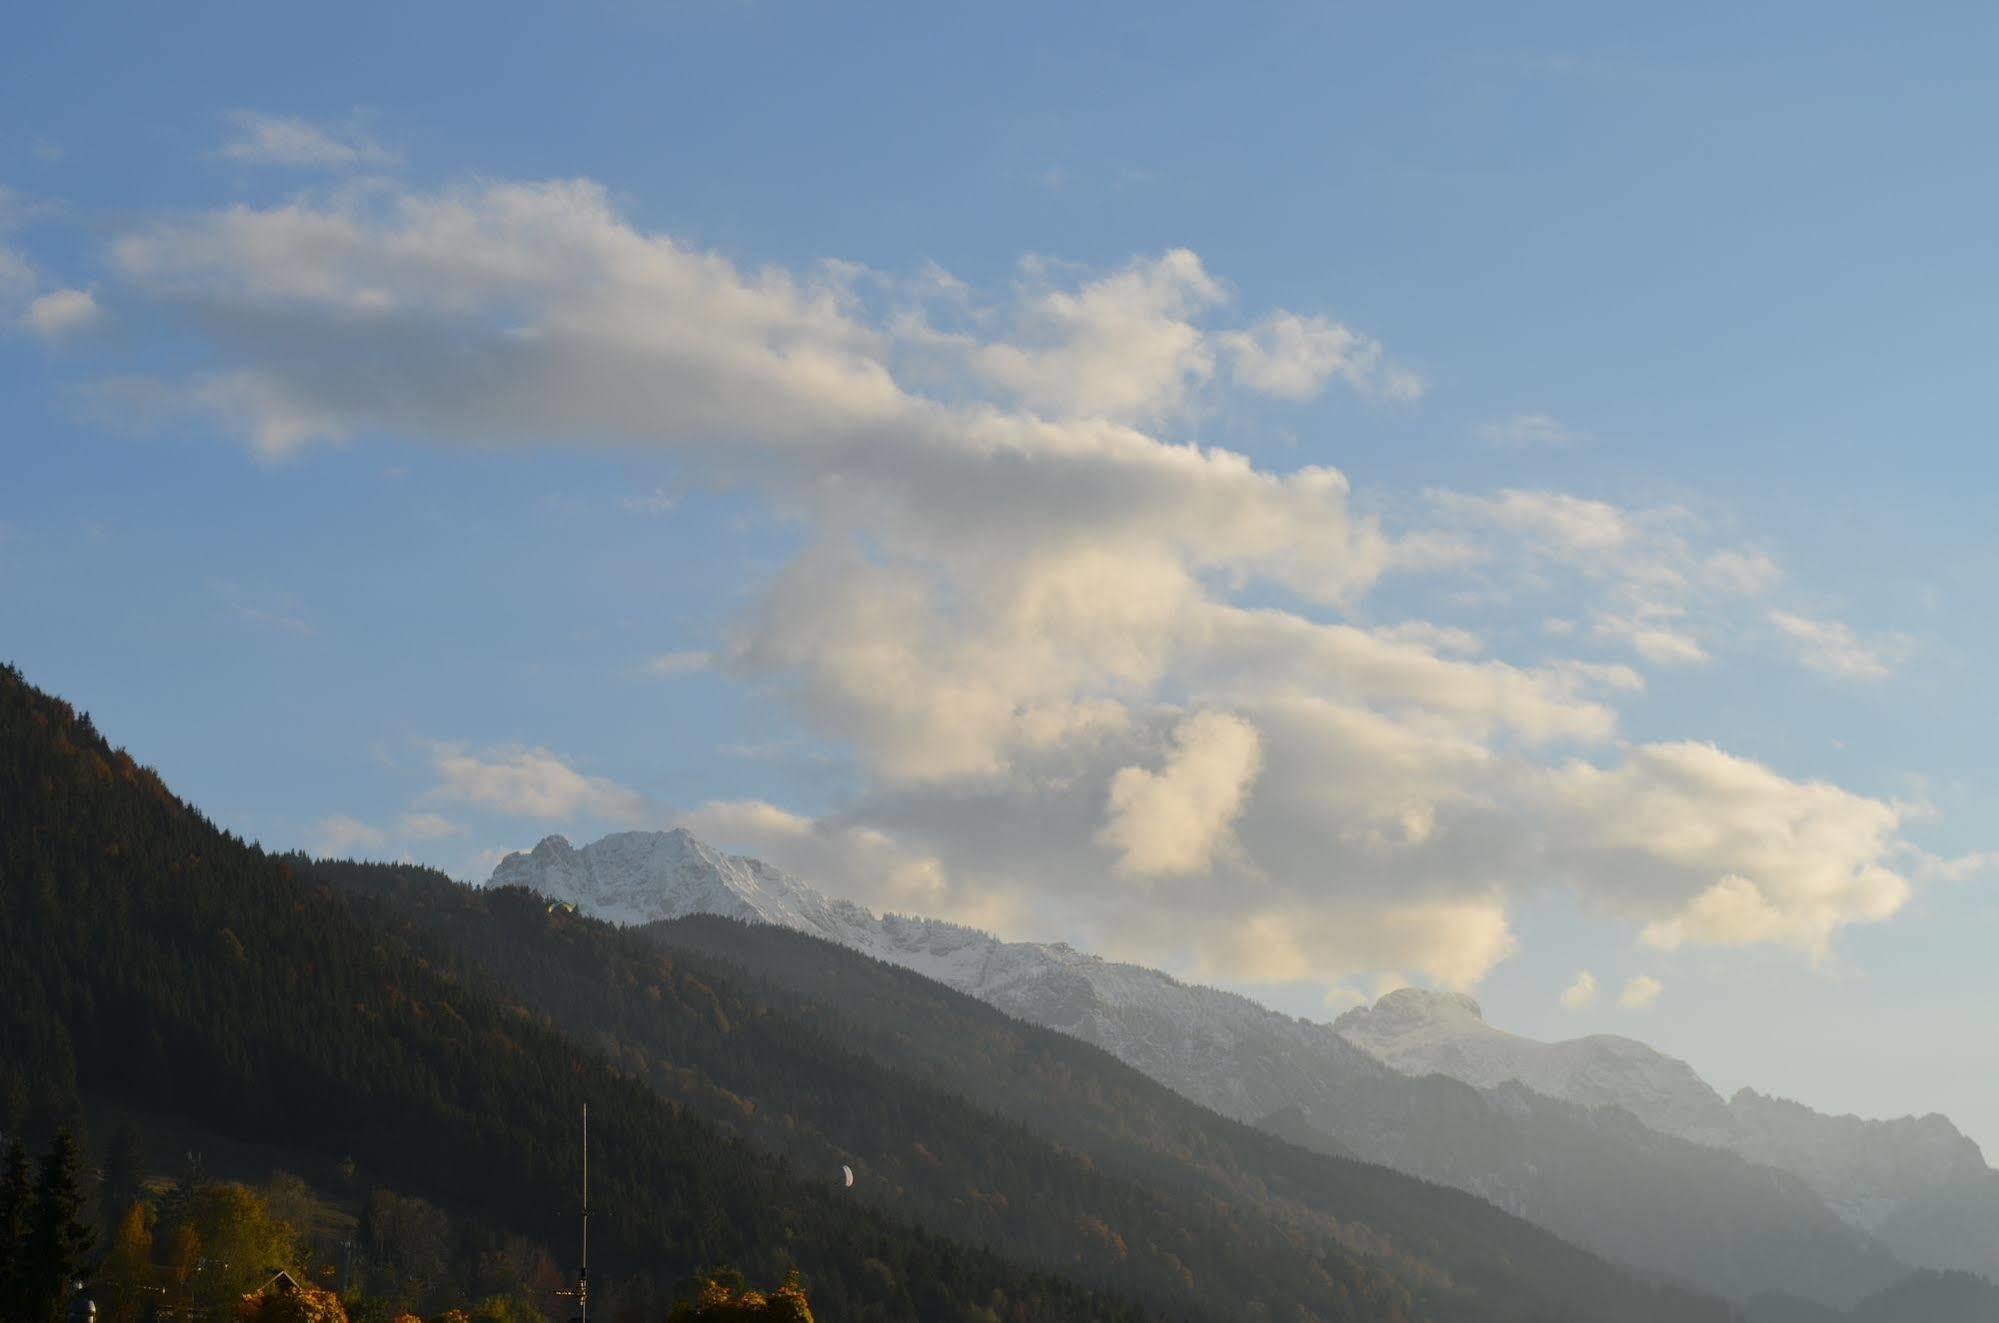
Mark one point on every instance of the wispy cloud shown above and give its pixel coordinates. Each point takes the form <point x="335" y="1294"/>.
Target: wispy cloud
<point x="1581" y="993"/>
<point x="657" y="501"/>
<point x="417" y="826"/>
<point x="1652" y="635"/>
<point x="277" y="613"/>
<point x="62" y="313"/>
<point x="1832" y="648"/>
<point x="1036" y="624"/>
<point x="342" y="835"/>
<point x="285" y="140"/>
<point x="1530" y="429"/>
<point x="686" y="662"/>
<point x="1293" y="357"/>
<point x="1639" y="992"/>
<point x="531" y="783"/>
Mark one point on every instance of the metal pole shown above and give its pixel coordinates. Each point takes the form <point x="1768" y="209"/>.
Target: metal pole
<point x="583" y="1282"/>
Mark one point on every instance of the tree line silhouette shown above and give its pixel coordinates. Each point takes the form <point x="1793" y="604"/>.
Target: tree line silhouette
<point x="162" y="963"/>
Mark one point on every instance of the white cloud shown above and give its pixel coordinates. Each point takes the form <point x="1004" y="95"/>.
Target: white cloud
<point x="1581" y="993"/>
<point x="284" y="140"/>
<point x="1530" y="429"/>
<point x="1276" y="651"/>
<point x="1957" y="868"/>
<point x="1639" y="992"/>
<point x="1455" y="943"/>
<point x="1041" y="629"/>
<point x="340" y="835"/>
<point x="270" y="612"/>
<point x="531" y="783"/>
<point x="417" y="826"/>
<point x="849" y="860"/>
<point x="1293" y="357"/>
<point x="17" y="280"/>
<point x="657" y="501"/>
<point x="685" y="662"/>
<point x="1123" y="347"/>
<point x="1746" y="571"/>
<point x="62" y="313"/>
<point x="1714" y="849"/>
<point x="1558" y="523"/>
<point x="276" y="422"/>
<point x="1437" y="638"/>
<point x="1644" y="579"/>
<point x="1651" y="637"/>
<point x="1176" y="820"/>
<point x="1832" y="648"/>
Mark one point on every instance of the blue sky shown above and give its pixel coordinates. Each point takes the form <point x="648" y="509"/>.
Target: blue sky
<point x="434" y="427"/>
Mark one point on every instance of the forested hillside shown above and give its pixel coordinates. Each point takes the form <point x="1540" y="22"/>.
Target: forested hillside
<point x="1671" y="1202"/>
<point x="947" y="1107"/>
<point x="1921" y="1297"/>
<point x="166" y="964"/>
<point x="155" y="959"/>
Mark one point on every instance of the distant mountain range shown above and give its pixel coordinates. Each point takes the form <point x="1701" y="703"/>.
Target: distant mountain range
<point x="382" y="1022"/>
<point x="1868" y="1171"/>
<point x="1748" y="1195"/>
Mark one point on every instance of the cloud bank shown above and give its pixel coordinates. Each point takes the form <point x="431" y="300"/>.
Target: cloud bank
<point x="1100" y="678"/>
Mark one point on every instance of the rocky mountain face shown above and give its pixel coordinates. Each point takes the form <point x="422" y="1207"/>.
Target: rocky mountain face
<point x="636" y="877"/>
<point x="1867" y="1171"/>
<point x="1737" y="1195"/>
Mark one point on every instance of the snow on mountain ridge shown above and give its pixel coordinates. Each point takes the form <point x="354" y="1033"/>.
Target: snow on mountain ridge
<point x="640" y="877"/>
<point x="1422" y="1033"/>
<point x="1247" y="1061"/>
<point x="1187" y="1036"/>
<point x="1865" y="1169"/>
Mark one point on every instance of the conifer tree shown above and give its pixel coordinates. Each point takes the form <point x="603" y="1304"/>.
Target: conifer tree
<point x="16" y="1198"/>
<point x="59" y="1240"/>
<point x="124" y="1169"/>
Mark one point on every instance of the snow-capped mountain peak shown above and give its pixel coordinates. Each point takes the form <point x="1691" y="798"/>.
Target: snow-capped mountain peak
<point x="1423" y="1033"/>
<point x="1426" y="1006"/>
<point x="1250" y="1062"/>
<point x="1864" y="1169"/>
<point x="638" y="877"/>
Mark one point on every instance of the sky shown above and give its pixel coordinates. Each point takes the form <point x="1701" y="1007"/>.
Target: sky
<point x="1313" y="497"/>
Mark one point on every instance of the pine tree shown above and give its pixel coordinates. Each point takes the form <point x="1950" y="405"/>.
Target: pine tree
<point x="17" y="1195"/>
<point x="59" y="1240"/>
<point x="124" y="1169"/>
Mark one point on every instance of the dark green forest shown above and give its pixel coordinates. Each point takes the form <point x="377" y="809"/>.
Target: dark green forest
<point x="1921" y="1297"/>
<point x="1657" y="1191"/>
<point x="158" y="961"/>
<point x="998" y="1131"/>
<point x="422" y="1049"/>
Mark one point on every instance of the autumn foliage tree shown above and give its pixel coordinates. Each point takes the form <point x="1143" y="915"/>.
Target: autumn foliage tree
<point x="305" y="1304"/>
<point x="722" y="1300"/>
<point x="127" y="1281"/>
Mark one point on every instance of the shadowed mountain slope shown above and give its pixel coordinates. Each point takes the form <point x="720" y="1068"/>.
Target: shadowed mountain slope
<point x="1595" y="1176"/>
<point x="1021" y="1138"/>
<point x="163" y="964"/>
<point x="1870" y="1172"/>
<point x="1690" y="1212"/>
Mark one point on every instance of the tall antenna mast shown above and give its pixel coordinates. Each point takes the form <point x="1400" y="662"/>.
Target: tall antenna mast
<point x="582" y="1291"/>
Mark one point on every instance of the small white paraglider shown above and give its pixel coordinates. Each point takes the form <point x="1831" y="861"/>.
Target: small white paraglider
<point x="847" y="1175"/>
